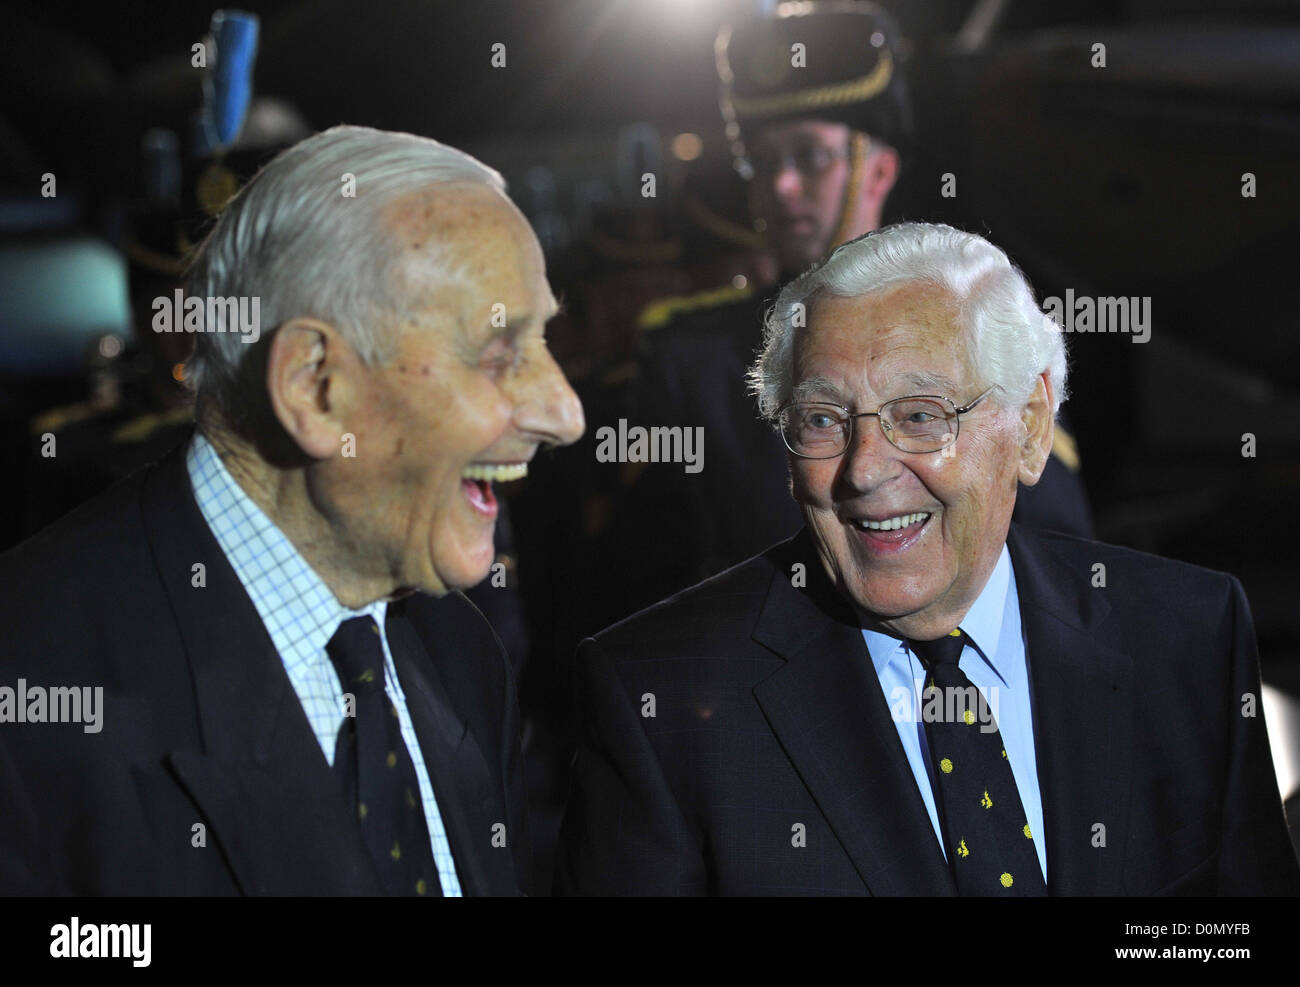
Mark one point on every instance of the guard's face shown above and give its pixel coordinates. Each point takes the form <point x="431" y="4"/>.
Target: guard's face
<point x="955" y="505"/>
<point x="801" y="172"/>
<point x="471" y="394"/>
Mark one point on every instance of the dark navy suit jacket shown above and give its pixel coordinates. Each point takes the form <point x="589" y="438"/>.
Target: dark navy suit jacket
<point x="201" y="726"/>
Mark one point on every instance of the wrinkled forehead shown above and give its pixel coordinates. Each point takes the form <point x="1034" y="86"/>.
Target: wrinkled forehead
<point x="881" y="345"/>
<point x="463" y="237"/>
<point x="465" y="217"/>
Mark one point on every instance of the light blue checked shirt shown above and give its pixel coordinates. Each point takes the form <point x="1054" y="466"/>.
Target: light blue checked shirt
<point x="996" y="665"/>
<point x="301" y="615"/>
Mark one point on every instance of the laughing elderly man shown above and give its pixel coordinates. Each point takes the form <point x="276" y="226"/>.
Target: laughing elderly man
<point x="296" y="699"/>
<point x="914" y="696"/>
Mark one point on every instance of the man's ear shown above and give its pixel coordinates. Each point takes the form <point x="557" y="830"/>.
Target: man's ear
<point x="1039" y="424"/>
<point x="881" y="174"/>
<point x="310" y="373"/>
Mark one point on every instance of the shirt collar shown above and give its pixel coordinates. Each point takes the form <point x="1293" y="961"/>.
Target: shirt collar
<point x="982" y="623"/>
<point x="299" y="610"/>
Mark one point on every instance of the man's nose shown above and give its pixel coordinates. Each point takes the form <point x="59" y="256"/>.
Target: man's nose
<point x="871" y="459"/>
<point x="787" y="182"/>
<point x="545" y="405"/>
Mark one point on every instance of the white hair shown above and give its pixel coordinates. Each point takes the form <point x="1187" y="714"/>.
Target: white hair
<point x="1009" y="339"/>
<point x="293" y="239"/>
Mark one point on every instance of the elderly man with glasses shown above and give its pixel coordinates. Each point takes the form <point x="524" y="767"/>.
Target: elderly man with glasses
<point x="914" y="696"/>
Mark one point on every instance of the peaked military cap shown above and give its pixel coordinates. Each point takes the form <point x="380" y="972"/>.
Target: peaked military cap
<point x="835" y="60"/>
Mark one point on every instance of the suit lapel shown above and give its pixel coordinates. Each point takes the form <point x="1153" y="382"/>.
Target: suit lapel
<point x="468" y="802"/>
<point x="826" y="708"/>
<point x="828" y="712"/>
<point x="1082" y="695"/>
<point x="261" y="779"/>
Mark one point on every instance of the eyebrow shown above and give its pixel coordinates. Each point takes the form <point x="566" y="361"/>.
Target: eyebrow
<point x="823" y="388"/>
<point x="811" y="388"/>
<point x="516" y="324"/>
<point x="938" y="383"/>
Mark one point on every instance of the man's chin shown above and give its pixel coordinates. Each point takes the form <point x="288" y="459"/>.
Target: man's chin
<point x="884" y="603"/>
<point x="466" y="573"/>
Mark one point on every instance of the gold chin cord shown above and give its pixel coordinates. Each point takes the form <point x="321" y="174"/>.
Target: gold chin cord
<point x="859" y="146"/>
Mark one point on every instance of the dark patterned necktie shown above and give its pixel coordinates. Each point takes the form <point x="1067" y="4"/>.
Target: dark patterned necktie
<point x="375" y="768"/>
<point x="986" y="833"/>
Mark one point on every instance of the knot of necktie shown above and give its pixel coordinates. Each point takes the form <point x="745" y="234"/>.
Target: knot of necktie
<point x="945" y="650"/>
<point x="358" y="655"/>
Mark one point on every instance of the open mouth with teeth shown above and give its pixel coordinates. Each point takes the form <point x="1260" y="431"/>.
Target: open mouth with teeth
<point x="477" y="480"/>
<point x="891" y="534"/>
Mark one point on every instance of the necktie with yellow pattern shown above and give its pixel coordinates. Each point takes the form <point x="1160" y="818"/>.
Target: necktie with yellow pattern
<point x="986" y="833"/>
<point x="375" y="768"/>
